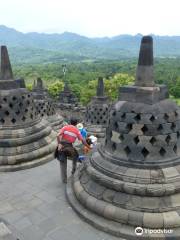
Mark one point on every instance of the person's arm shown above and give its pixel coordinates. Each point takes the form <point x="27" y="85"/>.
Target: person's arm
<point x="82" y="140"/>
<point x="85" y="143"/>
<point x="59" y="138"/>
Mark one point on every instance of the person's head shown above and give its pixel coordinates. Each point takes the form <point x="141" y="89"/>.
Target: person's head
<point x="73" y="121"/>
<point x="80" y="126"/>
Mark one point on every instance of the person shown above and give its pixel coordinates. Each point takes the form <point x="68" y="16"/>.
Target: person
<point x="66" y="137"/>
<point x="82" y="130"/>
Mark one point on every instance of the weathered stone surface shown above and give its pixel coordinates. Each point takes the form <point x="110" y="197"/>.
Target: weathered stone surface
<point x="25" y="139"/>
<point x="97" y="112"/>
<point x="138" y="164"/>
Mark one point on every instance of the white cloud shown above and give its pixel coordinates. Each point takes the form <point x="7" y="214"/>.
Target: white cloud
<point x="93" y="17"/>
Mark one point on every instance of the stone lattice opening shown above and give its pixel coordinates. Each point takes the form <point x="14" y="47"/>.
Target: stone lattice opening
<point x="168" y="139"/>
<point x="166" y="117"/>
<point x="145" y="152"/>
<point x="152" y="118"/>
<point x="114" y="146"/>
<point x="153" y="140"/>
<point x="175" y="148"/>
<point x="144" y="129"/>
<point x="160" y="127"/>
<point x="121" y="137"/>
<point x="13" y="120"/>
<point x="162" y="152"/>
<point x="136" y="140"/>
<point x="137" y="117"/>
<point x="173" y="126"/>
<point x="2" y="121"/>
<point x="127" y="150"/>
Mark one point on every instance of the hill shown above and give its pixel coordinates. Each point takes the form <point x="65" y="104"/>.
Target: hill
<point x="48" y="48"/>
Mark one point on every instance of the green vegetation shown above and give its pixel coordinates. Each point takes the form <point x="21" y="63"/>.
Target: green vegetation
<point x="82" y="76"/>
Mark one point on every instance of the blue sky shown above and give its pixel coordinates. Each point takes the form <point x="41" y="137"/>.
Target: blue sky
<point x="93" y="18"/>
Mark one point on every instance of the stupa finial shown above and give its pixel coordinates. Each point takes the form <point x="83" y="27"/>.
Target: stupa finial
<point x="144" y="74"/>
<point x="6" y="70"/>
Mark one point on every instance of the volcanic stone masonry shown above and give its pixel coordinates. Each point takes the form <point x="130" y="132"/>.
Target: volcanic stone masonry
<point x="97" y="112"/>
<point x="45" y="106"/>
<point x="26" y="140"/>
<point x="68" y="105"/>
<point x="133" y="180"/>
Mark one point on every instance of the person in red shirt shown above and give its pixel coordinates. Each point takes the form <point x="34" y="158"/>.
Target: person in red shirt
<point x="66" y="137"/>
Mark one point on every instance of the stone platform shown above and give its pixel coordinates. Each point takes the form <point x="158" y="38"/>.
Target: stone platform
<point x="33" y="207"/>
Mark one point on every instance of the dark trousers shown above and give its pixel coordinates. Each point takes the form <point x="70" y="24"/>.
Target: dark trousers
<point x="68" y="151"/>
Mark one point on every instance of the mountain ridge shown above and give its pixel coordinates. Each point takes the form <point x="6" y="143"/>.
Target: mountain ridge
<point x="68" y="46"/>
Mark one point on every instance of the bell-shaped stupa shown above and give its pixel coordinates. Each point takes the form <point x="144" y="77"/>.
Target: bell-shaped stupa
<point x="97" y="112"/>
<point x="26" y="140"/>
<point x="133" y="180"/>
<point x="45" y="106"/>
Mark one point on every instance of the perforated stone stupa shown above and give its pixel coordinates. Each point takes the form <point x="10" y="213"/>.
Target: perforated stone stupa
<point x="133" y="180"/>
<point x="67" y="96"/>
<point x="97" y="112"/>
<point x="26" y="140"/>
<point x="45" y="105"/>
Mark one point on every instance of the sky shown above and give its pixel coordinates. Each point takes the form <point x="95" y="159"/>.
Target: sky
<point x="92" y="18"/>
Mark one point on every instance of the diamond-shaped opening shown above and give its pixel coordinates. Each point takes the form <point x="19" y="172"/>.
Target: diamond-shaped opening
<point x="13" y="120"/>
<point x="137" y="117"/>
<point x="153" y="140"/>
<point x="175" y="148"/>
<point x="14" y="98"/>
<point x="31" y="116"/>
<point x="23" y="119"/>
<point x="166" y="117"/>
<point x="114" y="146"/>
<point x="168" y="139"/>
<point x="160" y="127"/>
<point x="98" y="122"/>
<point x="121" y="137"/>
<point x="7" y="113"/>
<point x="173" y="126"/>
<point x="113" y="114"/>
<point x="0" y="106"/>
<point x="5" y="99"/>
<point x="116" y="125"/>
<point x="11" y="105"/>
<point x="145" y="152"/>
<point x="152" y="118"/>
<point x="175" y="113"/>
<point x="20" y="104"/>
<point x="28" y="102"/>
<point x="162" y="152"/>
<point x="2" y="121"/>
<point x="136" y="140"/>
<point x="101" y="117"/>
<point x="144" y="129"/>
<point x="18" y="112"/>
<point x="104" y="122"/>
<point x="127" y="150"/>
<point x="26" y="110"/>
<point x="23" y="97"/>
<point x="29" y="95"/>
<point x="123" y="116"/>
<point x="129" y="126"/>
<point x="178" y="134"/>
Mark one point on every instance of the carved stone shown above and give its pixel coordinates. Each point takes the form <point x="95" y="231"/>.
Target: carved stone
<point x="26" y="140"/>
<point x="132" y="180"/>
<point x="45" y="106"/>
<point x="97" y="112"/>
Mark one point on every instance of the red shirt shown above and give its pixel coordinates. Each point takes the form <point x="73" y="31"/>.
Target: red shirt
<point x="70" y="133"/>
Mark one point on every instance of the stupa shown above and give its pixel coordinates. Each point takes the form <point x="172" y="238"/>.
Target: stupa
<point x="130" y="186"/>
<point x="68" y="104"/>
<point x="97" y="112"/>
<point x="26" y="140"/>
<point x="45" y="105"/>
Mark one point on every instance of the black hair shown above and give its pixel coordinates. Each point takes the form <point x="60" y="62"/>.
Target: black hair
<point x="73" y="121"/>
